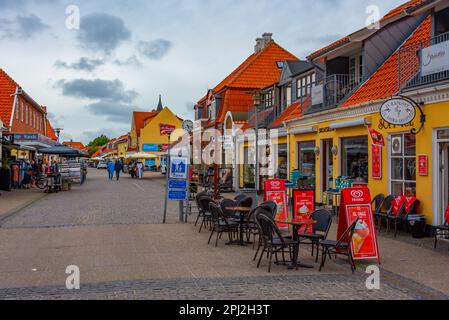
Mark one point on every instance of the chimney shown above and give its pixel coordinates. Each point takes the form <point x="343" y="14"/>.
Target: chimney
<point x="261" y="43"/>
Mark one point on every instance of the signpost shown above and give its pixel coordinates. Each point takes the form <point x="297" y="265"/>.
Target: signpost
<point x="356" y="203"/>
<point x="276" y="191"/>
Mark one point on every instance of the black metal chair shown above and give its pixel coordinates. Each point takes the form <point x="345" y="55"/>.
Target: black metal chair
<point x="340" y="247"/>
<point x="320" y="230"/>
<point x="220" y="224"/>
<point x="442" y="232"/>
<point x="204" y="203"/>
<point x="198" y="205"/>
<point x="376" y="204"/>
<point x="384" y="211"/>
<point x="228" y="203"/>
<point x="240" y="197"/>
<point x="270" y="206"/>
<point x="246" y="202"/>
<point x="272" y="240"/>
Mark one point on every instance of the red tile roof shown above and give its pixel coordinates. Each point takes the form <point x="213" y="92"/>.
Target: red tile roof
<point x="140" y="118"/>
<point x="293" y="111"/>
<point x="76" y="145"/>
<point x="7" y="88"/>
<point x="384" y="82"/>
<point x="258" y="70"/>
<point x="51" y="132"/>
<point x="396" y="11"/>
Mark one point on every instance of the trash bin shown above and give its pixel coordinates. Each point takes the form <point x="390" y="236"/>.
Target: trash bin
<point x="417" y="224"/>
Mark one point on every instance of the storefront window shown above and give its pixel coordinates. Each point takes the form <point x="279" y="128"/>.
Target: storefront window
<point x="355" y="158"/>
<point x="281" y="172"/>
<point x="306" y="161"/>
<point x="403" y="164"/>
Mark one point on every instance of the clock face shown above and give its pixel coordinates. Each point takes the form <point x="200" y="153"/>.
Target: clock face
<point x="187" y="126"/>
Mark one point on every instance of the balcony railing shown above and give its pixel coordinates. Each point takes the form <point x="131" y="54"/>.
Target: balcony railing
<point x="411" y="73"/>
<point x="264" y="117"/>
<point x="329" y="92"/>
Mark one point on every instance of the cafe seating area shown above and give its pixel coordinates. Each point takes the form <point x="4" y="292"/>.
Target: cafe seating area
<point x="269" y="237"/>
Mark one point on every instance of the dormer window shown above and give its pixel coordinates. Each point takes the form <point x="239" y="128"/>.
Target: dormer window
<point x="304" y="84"/>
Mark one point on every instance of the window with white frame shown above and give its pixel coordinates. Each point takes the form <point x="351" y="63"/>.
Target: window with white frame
<point x="23" y="111"/>
<point x="304" y="84"/>
<point x="17" y="110"/>
<point x="403" y="164"/>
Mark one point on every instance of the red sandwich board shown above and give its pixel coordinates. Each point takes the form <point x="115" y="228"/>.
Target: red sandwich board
<point x="356" y="202"/>
<point x="275" y="190"/>
<point x="303" y="206"/>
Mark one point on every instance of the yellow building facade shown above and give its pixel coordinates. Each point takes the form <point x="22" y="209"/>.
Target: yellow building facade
<point x="326" y="145"/>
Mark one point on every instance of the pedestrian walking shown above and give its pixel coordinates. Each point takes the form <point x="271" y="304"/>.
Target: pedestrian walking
<point x="111" y="169"/>
<point x="118" y="168"/>
<point x="139" y="170"/>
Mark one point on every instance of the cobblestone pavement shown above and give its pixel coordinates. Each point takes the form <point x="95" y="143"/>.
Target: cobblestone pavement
<point x="310" y="287"/>
<point x="112" y="231"/>
<point x="99" y="202"/>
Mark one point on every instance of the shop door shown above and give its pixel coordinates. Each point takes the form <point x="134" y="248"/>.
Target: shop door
<point x="327" y="166"/>
<point x="444" y="181"/>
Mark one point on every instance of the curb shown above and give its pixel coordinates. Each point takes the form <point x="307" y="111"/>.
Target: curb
<point x="11" y="213"/>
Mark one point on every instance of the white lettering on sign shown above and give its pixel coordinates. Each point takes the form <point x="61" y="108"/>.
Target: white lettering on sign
<point x="435" y="59"/>
<point x="398" y="111"/>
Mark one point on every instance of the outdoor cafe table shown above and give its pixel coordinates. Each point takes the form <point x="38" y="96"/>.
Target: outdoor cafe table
<point x="242" y="212"/>
<point x="297" y="224"/>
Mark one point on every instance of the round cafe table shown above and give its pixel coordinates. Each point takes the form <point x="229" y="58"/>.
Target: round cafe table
<point x="242" y="212"/>
<point x="297" y="224"/>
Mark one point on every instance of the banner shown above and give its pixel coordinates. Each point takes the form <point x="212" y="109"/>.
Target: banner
<point x="376" y="137"/>
<point x="276" y="191"/>
<point x="423" y="169"/>
<point x="303" y="207"/>
<point x="356" y="202"/>
<point x="376" y="162"/>
<point x="166" y="129"/>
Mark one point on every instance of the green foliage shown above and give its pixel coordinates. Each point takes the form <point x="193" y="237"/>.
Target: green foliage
<point x="99" y="141"/>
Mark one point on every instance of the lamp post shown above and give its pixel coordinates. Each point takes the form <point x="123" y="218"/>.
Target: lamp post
<point x="256" y="104"/>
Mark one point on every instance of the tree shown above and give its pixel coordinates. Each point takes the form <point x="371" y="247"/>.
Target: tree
<point x="99" y="141"/>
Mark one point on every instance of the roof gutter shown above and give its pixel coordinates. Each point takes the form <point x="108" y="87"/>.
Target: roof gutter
<point x="14" y="104"/>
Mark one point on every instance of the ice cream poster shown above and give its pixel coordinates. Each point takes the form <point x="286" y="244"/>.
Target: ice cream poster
<point x="364" y="240"/>
<point x="281" y="200"/>
<point x="303" y="206"/>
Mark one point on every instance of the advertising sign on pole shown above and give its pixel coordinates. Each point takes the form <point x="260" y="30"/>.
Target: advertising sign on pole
<point x="276" y="191"/>
<point x="178" y="168"/>
<point x="376" y="161"/>
<point x="356" y="203"/>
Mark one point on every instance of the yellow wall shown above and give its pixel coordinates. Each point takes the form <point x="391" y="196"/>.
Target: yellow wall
<point x="437" y="116"/>
<point x="150" y="134"/>
<point x="121" y="149"/>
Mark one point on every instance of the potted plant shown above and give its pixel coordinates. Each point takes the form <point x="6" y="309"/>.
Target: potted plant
<point x="66" y="184"/>
<point x="5" y="174"/>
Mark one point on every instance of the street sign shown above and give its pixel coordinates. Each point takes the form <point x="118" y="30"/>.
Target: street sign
<point x="178" y="168"/>
<point x="177" y="195"/>
<point x="177" y="184"/>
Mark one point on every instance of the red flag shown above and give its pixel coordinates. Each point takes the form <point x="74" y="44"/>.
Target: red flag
<point x="376" y="137"/>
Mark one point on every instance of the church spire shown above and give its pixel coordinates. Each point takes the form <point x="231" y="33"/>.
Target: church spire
<point x="159" y="106"/>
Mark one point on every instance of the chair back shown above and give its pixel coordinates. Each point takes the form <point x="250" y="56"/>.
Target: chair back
<point x="228" y="203"/>
<point x="240" y="197"/>
<point x="204" y="203"/>
<point x="270" y="206"/>
<point x="348" y="234"/>
<point x="245" y="202"/>
<point x="378" y="202"/>
<point x="388" y="203"/>
<point x="323" y="220"/>
<point x="268" y="227"/>
<point x="217" y="214"/>
<point x="198" y="197"/>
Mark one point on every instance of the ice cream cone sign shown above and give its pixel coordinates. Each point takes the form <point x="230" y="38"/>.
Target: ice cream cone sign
<point x="361" y="233"/>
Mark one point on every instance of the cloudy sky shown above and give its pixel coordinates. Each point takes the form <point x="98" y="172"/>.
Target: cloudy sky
<point x="127" y="52"/>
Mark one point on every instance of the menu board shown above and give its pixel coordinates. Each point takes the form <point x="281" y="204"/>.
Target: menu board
<point x="356" y="203"/>
<point x="276" y="191"/>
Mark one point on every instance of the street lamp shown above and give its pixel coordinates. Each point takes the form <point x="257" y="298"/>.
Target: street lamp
<point x="256" y="103"/>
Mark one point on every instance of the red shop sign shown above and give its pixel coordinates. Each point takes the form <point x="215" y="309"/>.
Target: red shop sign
<point x="423" y="169"/>
<point x="376" y="162"/>
<point x="276" y="191"/>
<point x="356" y="202"/>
